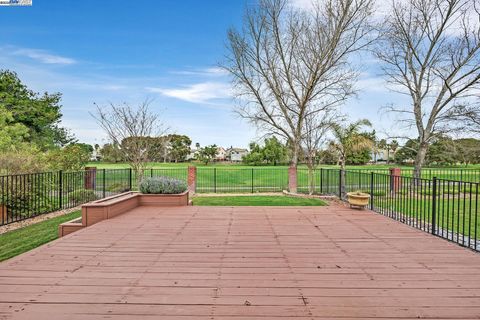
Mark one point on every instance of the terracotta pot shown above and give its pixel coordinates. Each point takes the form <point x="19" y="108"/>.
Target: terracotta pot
<point x="358" y="199"/>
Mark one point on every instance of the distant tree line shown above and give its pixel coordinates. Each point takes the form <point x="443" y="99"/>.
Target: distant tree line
<point x="443" y="151"/>
<point x="168" y="148"/>
<point x="272" y="152"/>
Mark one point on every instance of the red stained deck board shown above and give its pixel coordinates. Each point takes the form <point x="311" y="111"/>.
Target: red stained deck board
<point x="243" y="263"/>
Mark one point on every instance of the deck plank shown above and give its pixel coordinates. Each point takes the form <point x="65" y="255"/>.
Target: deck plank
<point x="243" y="263"/>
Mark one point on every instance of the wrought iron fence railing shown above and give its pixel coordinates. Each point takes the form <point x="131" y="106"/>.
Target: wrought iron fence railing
<point x="24" y="196"/>
<point x="444" y="205"/>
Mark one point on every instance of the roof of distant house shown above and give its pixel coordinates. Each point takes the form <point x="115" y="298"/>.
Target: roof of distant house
<point x="237" y="150"/>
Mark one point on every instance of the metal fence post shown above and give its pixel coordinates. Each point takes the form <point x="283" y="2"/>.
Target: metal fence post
<point x="252" y="180"/>
<point x="372" y="181"/>
<point x="60" y="188"/>
<point x="340" y="184"/>
<point x="104" y="182"/>
<point x="130" y="179"/>
<point x="434" y="205"/>
<point x="321" y="180"/>
<point x="215" y="180"/>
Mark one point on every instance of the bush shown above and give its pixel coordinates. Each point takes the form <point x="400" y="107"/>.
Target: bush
<point x="117" y="188"/>
<point x="82" y="196"/>
<point x="71" y="157"/>
<point x="162" y="185"/>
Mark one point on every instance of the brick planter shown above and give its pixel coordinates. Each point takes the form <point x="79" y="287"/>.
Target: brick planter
<point x="111" y="207"/>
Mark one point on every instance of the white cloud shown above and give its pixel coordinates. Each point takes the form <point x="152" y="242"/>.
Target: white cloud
<point x="302" y="4"/>
<point x="44" y="57"/>
<point x="368" y="83"/>
<point x="203" y="92"/>
<point x="381" y="7"/>
<point x="207" y="72"/>
<point x="216" y="71"/>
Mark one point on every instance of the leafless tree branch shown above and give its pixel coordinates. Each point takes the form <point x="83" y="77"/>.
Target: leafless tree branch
<point x="288" y="65"/>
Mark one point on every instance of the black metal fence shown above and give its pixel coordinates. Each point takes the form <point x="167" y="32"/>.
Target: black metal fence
<point x="446" y="207"/>
<point x="25" y="196"/>
<point x="241" y="180"/>
<point x="443" y="207"/>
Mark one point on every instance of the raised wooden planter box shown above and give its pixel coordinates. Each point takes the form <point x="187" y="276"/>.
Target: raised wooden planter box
<point x="111" y="207"/>
<point x="163" y="200"/>
<point x="70" y="227"/>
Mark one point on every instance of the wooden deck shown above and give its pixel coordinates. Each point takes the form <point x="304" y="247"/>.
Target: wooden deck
<point x="243" y="263"/>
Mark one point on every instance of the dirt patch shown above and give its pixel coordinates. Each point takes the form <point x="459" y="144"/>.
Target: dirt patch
<point x="43" y="217"/>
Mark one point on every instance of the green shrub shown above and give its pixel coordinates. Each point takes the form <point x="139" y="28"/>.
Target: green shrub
<point x="82" y="196"/>
<point x="117" y="188"/>
<point x="162" y="185"/>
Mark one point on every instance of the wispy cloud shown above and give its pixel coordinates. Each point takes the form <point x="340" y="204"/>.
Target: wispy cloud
<point x="204" y="92"/>
<point x="206" y="72"/>
<point x="44" y="56"/>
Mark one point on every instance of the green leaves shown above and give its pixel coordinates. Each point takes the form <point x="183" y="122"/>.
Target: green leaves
<point x="39" y="113"/>
<point x="207" y="153"/>
<point x="11" y="133"/>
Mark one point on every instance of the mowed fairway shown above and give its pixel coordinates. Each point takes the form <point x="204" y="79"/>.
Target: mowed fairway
<point x="235" y="201"/>
<point x="464" y="173"/>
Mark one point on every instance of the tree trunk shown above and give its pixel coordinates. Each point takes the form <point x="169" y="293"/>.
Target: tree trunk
<point x="420" y="160"/>
<point x="311" y="178"/>
<point x="139" y="172"/>
<point x="296" y="151"/>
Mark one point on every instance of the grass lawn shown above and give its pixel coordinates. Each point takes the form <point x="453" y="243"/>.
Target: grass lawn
<point x="22" y="240"/>
<point x="459" y="215"/>
<point x="256" y="201"/>
<point x="106" y="165"/>
<point x="224" y="177"/>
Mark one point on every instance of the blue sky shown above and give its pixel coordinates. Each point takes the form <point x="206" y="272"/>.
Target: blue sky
<point x="127" y="51"/>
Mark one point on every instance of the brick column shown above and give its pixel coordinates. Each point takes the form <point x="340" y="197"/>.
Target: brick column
<point x="292" y="179"/>
<point x="90" y="178"/>
<point x="192" y="180"/>
<point x="395" y="179"/>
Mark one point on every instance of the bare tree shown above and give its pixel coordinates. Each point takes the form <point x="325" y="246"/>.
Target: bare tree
<point x="470" y="116"/>
<point x="130" y="128"/>
<point x="288" y="64"/>
<point x="431" y="53"/>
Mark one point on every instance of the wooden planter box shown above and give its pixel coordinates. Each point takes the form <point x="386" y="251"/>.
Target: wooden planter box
<point x="70" y="227"/>
<point x="111" y="207"/>
<point x="358" y="199"/>
<point x="163" y="200"/>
